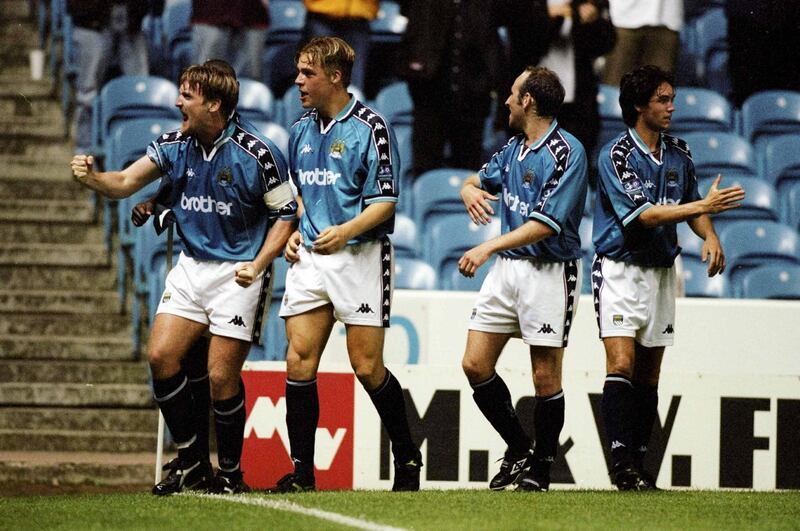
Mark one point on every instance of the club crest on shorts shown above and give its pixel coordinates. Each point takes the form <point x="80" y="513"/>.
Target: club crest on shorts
<point x="166" y="297"/>
<point x="225" y="176"/>
<point x="527" y="179"/>
<point x="337" y="149"/>
<point x="617" y="319"/>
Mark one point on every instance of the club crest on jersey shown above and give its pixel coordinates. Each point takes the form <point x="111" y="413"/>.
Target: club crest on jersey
<point x="225" y="176"/>
<point x="672" y="177"/>
<point x="337" y="149"/>
<point x="527" y="179"/>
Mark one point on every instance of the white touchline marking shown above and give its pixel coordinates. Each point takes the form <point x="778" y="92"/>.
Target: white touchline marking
<point x="286" y="505"/>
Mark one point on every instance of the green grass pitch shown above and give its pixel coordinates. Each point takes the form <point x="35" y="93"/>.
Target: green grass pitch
<point x="433" y="510"/>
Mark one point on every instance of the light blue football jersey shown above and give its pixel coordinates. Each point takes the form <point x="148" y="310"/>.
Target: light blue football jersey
<point x="631" y="180"/>
<point x="341" y="168"/>
<point x="546" y="182"/>
<point x="219" y="198"/>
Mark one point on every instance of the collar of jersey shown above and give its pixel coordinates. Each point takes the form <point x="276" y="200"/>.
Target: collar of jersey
<point x="524" y="150"/>
<point x="221" y="139"/>
<point x="643" y="147"/>
<point x="343" y="114"/>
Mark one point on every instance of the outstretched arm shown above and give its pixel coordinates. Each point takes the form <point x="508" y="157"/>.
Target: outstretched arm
<point x="114" y="184"/>
<point x="717" y="200"/>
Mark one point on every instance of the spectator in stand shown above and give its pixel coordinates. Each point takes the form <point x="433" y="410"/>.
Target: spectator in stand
<point x="580" y="32"/>
<point x="647" y="34"/>
<point x="347" y="20"/>
<point x="764" y="46"/>
<point x="452" y="66"/>
<point x="234" y="30"/>
<point x="105" y="33"/>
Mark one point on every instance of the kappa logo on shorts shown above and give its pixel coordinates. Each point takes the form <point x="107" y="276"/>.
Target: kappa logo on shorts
<point x="364" y="308"/>
<point x="617" y="320"/>
<point x="668" y="329"/>
<point x="474" y="313"/>
<point x="546" y="329"/>
<point x="237" y="321"/>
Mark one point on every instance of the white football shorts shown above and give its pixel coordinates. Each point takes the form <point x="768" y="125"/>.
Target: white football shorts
<point x="205" y="291"/>
<point x="530" y="299"/>
<point x="634" y="301"/>
<point x="357" y="280"/>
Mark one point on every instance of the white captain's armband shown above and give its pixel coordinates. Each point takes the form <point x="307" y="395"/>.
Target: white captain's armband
<point x="279" y="196"/>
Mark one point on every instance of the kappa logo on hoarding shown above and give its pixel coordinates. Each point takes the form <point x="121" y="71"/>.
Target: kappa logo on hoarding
<point x="265" y="457"/>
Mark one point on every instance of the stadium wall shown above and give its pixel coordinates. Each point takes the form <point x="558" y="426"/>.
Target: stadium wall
<point x="729" y="402"/>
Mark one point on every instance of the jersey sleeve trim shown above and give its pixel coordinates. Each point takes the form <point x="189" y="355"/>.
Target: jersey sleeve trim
<point x="629" y="180"/>
<point x="635" y="213"/>
<point x="560" y="150"/>
<point x="382" y="143"/>
<point x="547" y="220"/>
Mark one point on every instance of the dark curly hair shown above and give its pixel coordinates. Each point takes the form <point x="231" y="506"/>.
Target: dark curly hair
<point x="637" y="87"/>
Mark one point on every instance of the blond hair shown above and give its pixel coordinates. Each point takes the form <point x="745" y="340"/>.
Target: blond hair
<point x="331" y="54"/>
<point x="215" y="80"/>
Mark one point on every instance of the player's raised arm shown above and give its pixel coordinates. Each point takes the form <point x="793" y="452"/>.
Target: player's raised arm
<point x="114" y="184"/>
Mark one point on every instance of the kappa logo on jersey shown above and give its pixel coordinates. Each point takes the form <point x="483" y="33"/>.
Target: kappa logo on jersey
<point x="318" y="177"/>
<point x="205" y="205"/>
<point x="649" y="184"/>
<point x="190" y="173"/>
<point x="337" y="149"/>
<point x="306" y="149"/>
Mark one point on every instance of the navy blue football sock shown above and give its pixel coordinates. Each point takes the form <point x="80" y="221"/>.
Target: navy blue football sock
<point x="494" y="400"/>
<point x="174" y="398"/>
<point x="196" y="365"/>
<point x="645" y="414"/>
<point x="391" y="406"/>
<point x="302" y="417"/>
<point x="548" y="417"/>
<point x="618" y="409"/>
<point x="229" y="419"/>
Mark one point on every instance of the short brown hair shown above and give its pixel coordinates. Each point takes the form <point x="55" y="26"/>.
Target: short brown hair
<point x="546" y="90"/>
<point x="331" y="54"/>
<point x="215" y="80"/>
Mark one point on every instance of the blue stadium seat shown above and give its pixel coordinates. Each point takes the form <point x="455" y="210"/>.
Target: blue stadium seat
<point x="790" y="205"/>
<point x="287" y="24"/>
<point x="447" y="238"/>
<point x="781" y="160"/>
<point x="436" y="192"/>
<point x="770" y="113"/>
<point x="256" y="102"/>
<point x="751" y="243"/>
<point x="771" y="282"/>
<point x="458" y="282"/>
<point x="611" y="123"/>
<point x="698" y="109"/>
<point x="389" y="25"/>
<point x="760" y="201"/>
<point x="394" y="102"/>
<point x="404" y="238"/>
<point x="587" y="251"/>
<point x="177" y="35"/>
<point x="725" y="153"/>
<point x="276" y="133"/>
<point x="711" y="45"/>
<point x="697" y="283"/>
<point x="412" y="273"/>
<point x="127" y="97"/>
<point x="690" y="243"/>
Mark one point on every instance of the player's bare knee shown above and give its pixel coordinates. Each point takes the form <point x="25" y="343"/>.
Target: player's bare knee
<point x="475" y="371"/>
<point x="224" y="382"/>
<point x="163" y="363"/>
<point x="546" y="381"/>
